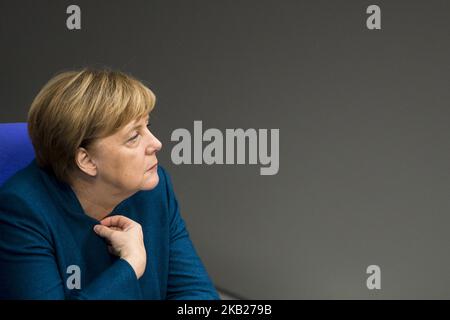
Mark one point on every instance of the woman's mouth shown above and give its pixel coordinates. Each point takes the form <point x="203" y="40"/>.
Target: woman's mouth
<point x="152" y="168"/>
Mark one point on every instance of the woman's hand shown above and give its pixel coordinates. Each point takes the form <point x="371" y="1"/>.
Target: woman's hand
<point x="125" y="240"/>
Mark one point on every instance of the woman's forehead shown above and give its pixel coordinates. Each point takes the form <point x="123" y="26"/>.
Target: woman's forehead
<point x="132" y="126"/>
<point x="124" y="132"/>
<point x="136" y="123"/>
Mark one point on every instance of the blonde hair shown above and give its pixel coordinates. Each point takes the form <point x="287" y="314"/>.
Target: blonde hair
<point x="75" y="108"/>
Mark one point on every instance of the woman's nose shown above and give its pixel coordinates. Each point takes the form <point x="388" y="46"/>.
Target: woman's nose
<point x="154" y="144"/>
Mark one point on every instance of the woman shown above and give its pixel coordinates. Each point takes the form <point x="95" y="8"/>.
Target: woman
<point x="94" y="216"/>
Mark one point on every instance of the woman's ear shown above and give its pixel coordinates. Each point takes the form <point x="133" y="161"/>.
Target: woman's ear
<point x="85" y="162"/>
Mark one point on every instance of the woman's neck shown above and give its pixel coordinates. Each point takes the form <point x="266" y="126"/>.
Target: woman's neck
<point x="97" y="200"/>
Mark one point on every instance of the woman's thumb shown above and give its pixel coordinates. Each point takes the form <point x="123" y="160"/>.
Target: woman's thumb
<point x="103" y="231"/>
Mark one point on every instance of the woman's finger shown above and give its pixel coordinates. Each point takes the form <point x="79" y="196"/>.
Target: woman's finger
<point x="103" y="231"/>
<point x="117" y="221"/>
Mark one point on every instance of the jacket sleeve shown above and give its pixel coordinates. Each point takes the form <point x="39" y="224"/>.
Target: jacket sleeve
<point x="28" y="268"/>
<point x="188" y="278"/>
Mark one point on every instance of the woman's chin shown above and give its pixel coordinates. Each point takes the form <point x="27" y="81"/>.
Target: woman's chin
<point x="150" y="182"/>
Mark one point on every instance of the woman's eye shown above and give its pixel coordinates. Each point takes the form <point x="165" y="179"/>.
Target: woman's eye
<point x="135" y="137"/>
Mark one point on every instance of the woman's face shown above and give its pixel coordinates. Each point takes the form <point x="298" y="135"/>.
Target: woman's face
<point x="123" y="159"/>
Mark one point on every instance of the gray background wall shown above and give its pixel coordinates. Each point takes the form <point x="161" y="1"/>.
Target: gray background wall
<point x="363" y="118"/>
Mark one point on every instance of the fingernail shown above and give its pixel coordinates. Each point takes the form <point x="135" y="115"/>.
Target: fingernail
<point x="96" y="227"/>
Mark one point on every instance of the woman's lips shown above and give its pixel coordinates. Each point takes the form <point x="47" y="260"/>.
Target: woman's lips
<point x="153" y="167"/>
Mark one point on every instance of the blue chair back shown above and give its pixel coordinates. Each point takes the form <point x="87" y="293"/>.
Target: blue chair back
<point x="16" y="149"/>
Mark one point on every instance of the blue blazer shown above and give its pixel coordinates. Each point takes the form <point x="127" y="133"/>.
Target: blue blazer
<point x="47" y="244"/>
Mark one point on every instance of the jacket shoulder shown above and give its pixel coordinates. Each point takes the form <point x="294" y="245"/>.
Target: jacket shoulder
<point x="23" y="192"/>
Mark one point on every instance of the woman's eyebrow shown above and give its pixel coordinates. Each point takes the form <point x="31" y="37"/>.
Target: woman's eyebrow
<point x="137" y="126"/>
